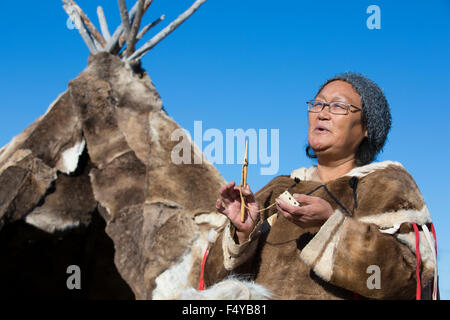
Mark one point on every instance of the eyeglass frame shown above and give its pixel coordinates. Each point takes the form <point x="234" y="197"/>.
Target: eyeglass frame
<point x="325" y="104"/>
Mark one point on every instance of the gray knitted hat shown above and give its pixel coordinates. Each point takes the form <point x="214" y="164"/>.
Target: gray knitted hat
<point x="376" y="114"/>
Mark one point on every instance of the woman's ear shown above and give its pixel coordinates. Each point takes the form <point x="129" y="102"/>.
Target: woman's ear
<point x="366" y="133"/>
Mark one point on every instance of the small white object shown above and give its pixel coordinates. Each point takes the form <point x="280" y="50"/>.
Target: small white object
<point x="287" y="197"/>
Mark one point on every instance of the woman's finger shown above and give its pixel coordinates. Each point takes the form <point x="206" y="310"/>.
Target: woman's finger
<point x="231" y="193"/>
<point x="226" y="188"/>
<point x="227" y="193"/>
<point x="249" y="195"/>
<point x="220" y="205"/>
<point x="289" y="208"/>
<point x="304" y="199"/>
<point x="246" y="193"/>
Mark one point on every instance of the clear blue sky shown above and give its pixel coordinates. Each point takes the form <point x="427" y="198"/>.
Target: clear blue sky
<point x="252" y="65"/>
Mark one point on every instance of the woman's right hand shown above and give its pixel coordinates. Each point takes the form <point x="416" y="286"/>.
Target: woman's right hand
<point x="229" y="204"/>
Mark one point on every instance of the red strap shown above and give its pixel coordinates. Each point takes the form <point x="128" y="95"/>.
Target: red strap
<point x="419" y="287"/>
<point x="201" y="285"/>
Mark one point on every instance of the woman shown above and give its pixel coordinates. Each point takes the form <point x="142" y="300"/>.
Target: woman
<point x="358" y="224"/>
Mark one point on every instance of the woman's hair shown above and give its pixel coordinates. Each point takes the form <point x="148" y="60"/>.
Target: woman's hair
<point x="375" y="117"/>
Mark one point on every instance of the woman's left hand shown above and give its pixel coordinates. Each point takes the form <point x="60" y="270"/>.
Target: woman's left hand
<point x="314" y="211"/>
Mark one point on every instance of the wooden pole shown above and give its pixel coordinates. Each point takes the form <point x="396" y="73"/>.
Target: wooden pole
<point x="92" y="29"/>
<point x="73" y="13"/>
<point x="118" y="39"/>
<point x="103" y="24"/>
<point x="131" y="39"/>
<point x="149" y="26"/>
<point x="244" y="180"/>
<point x="138" y="54"/>
<point x="125" y="18"/>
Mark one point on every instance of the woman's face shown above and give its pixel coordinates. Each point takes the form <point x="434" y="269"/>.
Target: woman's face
<point x="331" y="136"/>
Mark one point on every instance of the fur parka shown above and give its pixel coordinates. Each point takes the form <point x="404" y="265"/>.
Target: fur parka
<point x="371" y="230"/>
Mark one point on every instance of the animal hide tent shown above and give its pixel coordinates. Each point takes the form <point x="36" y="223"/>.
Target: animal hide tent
<point x="91" y="182"/>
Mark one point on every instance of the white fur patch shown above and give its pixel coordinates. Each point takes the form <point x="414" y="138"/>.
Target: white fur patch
<point x="68" y="162"/>
<point x="215" y="220"/>
<point x="212" y="235"/>
<point x="51" y="221"/>
<point x="174" y="279"/>
<point x="154" y="133"/>
<point x="229" y="289"/>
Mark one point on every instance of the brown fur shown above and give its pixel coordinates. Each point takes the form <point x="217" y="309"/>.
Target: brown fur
<point x="61" y="129"/>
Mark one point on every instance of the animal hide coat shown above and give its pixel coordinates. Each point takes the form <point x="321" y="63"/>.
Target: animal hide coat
<point x="371" y="228"/>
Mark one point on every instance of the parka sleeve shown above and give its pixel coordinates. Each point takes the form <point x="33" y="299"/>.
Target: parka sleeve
<point x="226" y="257"/>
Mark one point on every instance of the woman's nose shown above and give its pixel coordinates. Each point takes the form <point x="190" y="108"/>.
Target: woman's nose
<point x="324" y="114"/>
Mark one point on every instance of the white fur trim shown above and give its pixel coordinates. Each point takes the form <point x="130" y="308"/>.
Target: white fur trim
<point x="324" y="267"/>
<point x="236" y="254"/>
<point x="393" y="218"/>
<point x="371" y="167"/>
<point x="311" y="251"/>
<point x="229" y="289"/>
<point x="308" y="174"/>
<point x="304" y="174"/>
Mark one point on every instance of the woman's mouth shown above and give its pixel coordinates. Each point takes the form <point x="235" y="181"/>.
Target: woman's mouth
<point x="320" y="129"/>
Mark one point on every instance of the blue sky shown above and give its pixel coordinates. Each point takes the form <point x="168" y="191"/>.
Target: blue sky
<point x="252" y="65"/>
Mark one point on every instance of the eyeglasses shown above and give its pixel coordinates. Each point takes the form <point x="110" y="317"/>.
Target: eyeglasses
<point x="317" y="106"/>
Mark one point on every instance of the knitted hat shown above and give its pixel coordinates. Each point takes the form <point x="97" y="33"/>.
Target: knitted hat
<point x="376" y="114"/>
